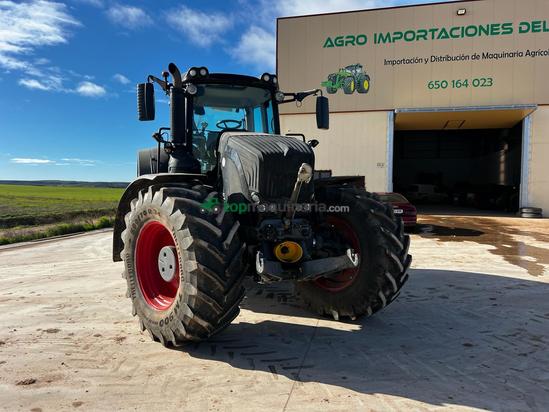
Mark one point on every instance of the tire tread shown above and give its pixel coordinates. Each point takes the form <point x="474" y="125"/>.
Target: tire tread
<point x="215" y="257"/>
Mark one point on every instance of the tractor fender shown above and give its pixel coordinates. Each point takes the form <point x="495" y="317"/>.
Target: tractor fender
<point x="131" y="192"/>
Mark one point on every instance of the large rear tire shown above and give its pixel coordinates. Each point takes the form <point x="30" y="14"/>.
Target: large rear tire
<point x="363" y="83"/>
<point x="371" y="229"/>
<point x="183" y="266"/>
<point x="349" y="85"/>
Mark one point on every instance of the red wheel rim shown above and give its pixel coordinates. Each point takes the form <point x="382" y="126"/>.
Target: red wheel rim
<point x="346" y="277"/>
<point x="158" y="293"/>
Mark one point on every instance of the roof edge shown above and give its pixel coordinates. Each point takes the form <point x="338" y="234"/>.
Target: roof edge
<point x="405" y="6"/>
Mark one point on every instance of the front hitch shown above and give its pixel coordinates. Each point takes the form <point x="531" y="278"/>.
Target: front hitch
<point x="273" y="271"/>
<point x="327" y="267"/>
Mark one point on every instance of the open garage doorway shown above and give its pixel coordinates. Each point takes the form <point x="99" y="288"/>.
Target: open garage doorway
<point x="467" y="161"/>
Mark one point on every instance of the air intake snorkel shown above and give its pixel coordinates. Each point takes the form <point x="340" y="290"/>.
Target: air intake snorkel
<point x="181" y="158"/>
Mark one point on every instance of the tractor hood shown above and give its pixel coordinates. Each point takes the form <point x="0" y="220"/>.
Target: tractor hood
<point x="263" y="163"/>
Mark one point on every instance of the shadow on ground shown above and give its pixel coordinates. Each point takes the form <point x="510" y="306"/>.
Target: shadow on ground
<point x="456" y="338"/>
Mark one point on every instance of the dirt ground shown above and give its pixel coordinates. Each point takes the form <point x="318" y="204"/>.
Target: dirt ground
<point x="470" y="331"/>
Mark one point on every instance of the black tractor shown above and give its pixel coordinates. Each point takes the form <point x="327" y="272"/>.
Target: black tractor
<point x="224" y="195"/>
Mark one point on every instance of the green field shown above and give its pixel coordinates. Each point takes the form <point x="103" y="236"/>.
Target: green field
<point x="23" y="208"/>
<point x="31" y="205"/>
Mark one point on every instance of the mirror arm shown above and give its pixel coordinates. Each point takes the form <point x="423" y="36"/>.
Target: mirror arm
<point x="162" y="83"/>
<point x="302" y="95"/>
<point x="299" y="97"/>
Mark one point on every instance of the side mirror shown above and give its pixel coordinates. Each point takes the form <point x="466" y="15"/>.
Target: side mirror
<point x="145" y="101"/>
<point x="322" y="113"/>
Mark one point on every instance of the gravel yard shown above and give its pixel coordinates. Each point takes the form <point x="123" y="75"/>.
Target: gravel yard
<point x="469" y="331"/>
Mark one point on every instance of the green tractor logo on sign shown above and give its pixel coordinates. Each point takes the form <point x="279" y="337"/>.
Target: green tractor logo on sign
<point x="350" y="78"/>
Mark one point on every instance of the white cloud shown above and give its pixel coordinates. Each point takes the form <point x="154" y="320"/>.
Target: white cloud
<point x="12" y="63"/>
<point x="41" y="61"/>
<point x="55" y="83"/>
<point x="30" y="161"/>
<point x="120" y="78"/>
<point x="257" y="48"/>
<point x="80" y="161"/>
<point x="286" y="8"/>
<point x="95" y="3"/>
<point x="129" y="17"/>
<point x="33" y="84"/>
<point x="69" y="161"/>
<point x="47" y="82"/>
<point x="300" y="8"/>
<point x="203" y="28"/>
<point x="24" y="26"/>
<point x="90" y="89"/>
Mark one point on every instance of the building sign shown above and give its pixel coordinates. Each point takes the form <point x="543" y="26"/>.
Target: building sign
<point x="440" y="33"/>
<point x="497" y="53"/>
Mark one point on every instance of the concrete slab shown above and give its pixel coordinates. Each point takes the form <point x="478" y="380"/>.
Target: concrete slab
<point x="470" y="331"/>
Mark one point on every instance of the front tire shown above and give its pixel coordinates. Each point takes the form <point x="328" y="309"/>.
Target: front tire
<point x="332" y="79"/>
<point x="184" y="268"/>
<point x="372" y="230"/>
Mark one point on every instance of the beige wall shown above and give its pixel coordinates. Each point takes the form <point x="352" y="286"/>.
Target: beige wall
<point x="538" y="182"/>
<point x="356" y="144"/>
<point x="303" y="62"/>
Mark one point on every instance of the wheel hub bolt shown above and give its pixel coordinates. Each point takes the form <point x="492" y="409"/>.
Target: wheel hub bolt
<point x="167" y="263"/>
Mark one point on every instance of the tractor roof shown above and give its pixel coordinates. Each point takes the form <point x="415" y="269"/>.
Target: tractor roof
<point x="226" y="78"/>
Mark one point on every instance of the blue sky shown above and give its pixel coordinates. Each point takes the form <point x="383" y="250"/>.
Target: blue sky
<point x="68" y="71"/>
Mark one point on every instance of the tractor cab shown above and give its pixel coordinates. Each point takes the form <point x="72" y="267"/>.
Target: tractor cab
<point x="219" y="108"/>
<point x="204" y="105"/>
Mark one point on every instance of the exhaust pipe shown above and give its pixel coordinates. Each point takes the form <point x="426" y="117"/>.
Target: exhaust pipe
<point x="177" y="107"/>
<point x="181" y="158"/>
<point x="176" y="74"/>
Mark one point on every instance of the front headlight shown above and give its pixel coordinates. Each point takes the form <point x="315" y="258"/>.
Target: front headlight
<point x="191" y="89"/>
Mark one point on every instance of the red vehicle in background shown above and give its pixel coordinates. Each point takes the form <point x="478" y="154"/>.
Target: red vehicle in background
<point x="401" y="207"/>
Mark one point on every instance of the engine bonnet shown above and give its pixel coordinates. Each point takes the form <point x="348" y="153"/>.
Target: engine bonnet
<point x="262" y="163"/>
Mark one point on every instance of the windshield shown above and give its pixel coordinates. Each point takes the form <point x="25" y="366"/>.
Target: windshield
<point x="219" y="108"/>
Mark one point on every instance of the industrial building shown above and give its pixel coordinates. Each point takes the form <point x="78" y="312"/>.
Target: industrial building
<point x="445" y="102"/>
